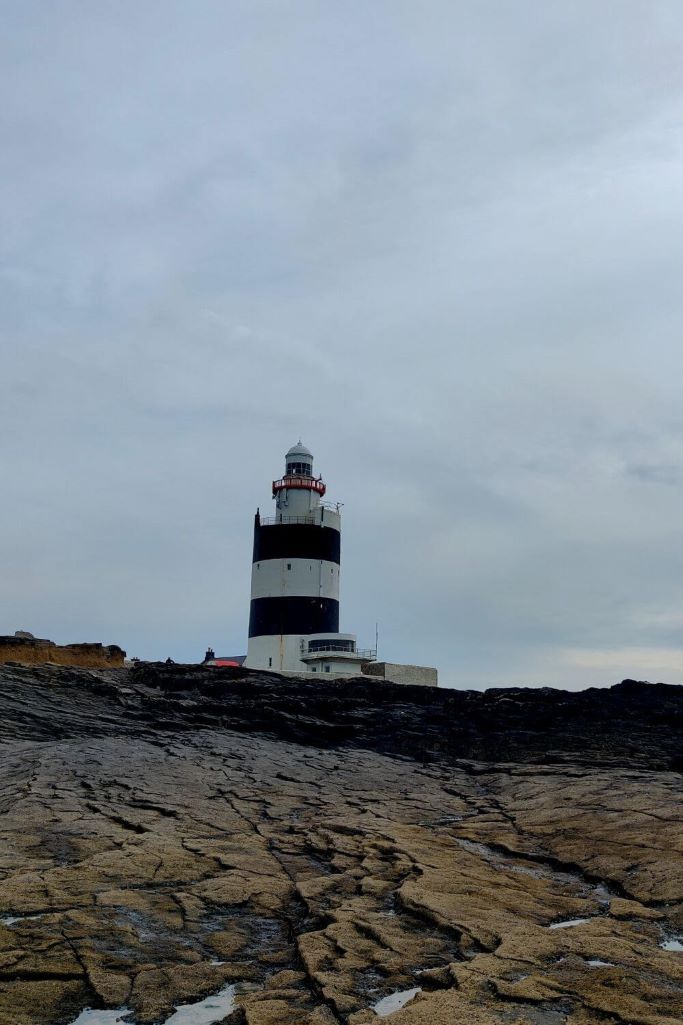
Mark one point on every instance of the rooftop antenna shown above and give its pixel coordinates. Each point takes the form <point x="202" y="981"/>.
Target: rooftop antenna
<point x="376" y="639"/>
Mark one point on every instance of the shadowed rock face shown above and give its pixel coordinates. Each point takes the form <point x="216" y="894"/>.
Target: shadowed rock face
<point x="167" y="831"/>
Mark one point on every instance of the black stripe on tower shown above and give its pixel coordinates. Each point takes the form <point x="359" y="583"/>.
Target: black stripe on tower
<point x="296" y="541"/>
<point x="270" y="616"/>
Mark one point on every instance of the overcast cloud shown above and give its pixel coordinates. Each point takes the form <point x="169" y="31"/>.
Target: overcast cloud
<point x="440" y="242"/>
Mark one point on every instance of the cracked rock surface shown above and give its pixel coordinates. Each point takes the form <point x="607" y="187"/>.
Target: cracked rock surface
<point x="165" y="832"/>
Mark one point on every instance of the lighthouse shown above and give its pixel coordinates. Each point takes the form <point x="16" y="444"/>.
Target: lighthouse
<point x="294" y="612"/>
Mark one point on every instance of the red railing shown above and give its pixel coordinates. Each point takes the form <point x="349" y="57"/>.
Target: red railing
<point x="301" y="483"/>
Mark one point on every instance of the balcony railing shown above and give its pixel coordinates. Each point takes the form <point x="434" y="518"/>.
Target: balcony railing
<point x="335" y="650"/>
<point x="271" y="521"/>
<point x="299" y="483"/>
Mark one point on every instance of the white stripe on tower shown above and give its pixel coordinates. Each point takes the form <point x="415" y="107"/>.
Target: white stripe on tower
<point x="295" y="578"/>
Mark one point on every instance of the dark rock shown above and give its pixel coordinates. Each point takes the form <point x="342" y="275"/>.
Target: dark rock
<point x="634" y="723"/>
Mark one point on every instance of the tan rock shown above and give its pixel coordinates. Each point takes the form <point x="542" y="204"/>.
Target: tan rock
<point x="327" y="880"/>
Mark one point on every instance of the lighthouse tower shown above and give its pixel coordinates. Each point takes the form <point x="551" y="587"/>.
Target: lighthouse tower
<point x="294" y="615"/>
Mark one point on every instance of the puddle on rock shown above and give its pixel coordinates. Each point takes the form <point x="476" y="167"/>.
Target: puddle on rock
<point x="673" y="944"/>
<point x="394" y="1002"/>
<point x="89" y="1017"/>
<point x="428" y="968"/>
<point x="205" y="1012"/>
<point x="11" y="919"/>
<point x="445" y="820"/>
<point x="472" y="847"/>
<point x="603" y="893"/>
<point x="570" y="922"/>
<point x="537" y="870"/>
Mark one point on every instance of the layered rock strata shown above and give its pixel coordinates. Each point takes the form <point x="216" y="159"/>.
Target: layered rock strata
<point x="28" y="650"/>
<point x="167" y="831"/>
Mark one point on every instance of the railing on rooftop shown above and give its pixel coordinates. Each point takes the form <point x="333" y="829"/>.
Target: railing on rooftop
<point x="335" y="649"/>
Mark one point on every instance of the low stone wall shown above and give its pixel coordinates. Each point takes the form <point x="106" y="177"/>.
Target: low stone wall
<point x="37" y="651"/>
<point x="394" y="672"/>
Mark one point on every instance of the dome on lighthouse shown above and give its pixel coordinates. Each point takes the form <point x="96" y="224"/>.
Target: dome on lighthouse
<point x="299" y="450"/>
<point x="299" y="460"/>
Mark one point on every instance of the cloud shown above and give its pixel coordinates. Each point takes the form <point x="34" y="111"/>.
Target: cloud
<point x="440" y="244"/>
<point x="657" y="473"/>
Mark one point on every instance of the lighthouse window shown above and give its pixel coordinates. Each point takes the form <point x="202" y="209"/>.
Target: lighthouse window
<point x="329" y="645"/>
<point x="289" y="565"/>
<point x="299" y="469"/>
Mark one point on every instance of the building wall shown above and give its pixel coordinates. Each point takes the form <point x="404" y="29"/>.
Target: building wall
<point x="36" y="651"/>
<point x="276" y="652"/>
<point x="335" y="667"/>
<point x="394" y="672"/>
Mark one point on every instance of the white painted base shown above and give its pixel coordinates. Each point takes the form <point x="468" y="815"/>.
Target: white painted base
<point x="279" y="652"/>
<point x="282" y="653"/>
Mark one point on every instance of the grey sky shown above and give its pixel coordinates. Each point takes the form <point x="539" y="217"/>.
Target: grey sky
<point x="441" y="242"/>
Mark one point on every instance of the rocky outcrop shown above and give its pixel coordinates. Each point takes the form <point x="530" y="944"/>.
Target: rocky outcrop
<point x="632" y="724"/>
<point x="24" y="648"/>
<point x="167" y="832"/>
